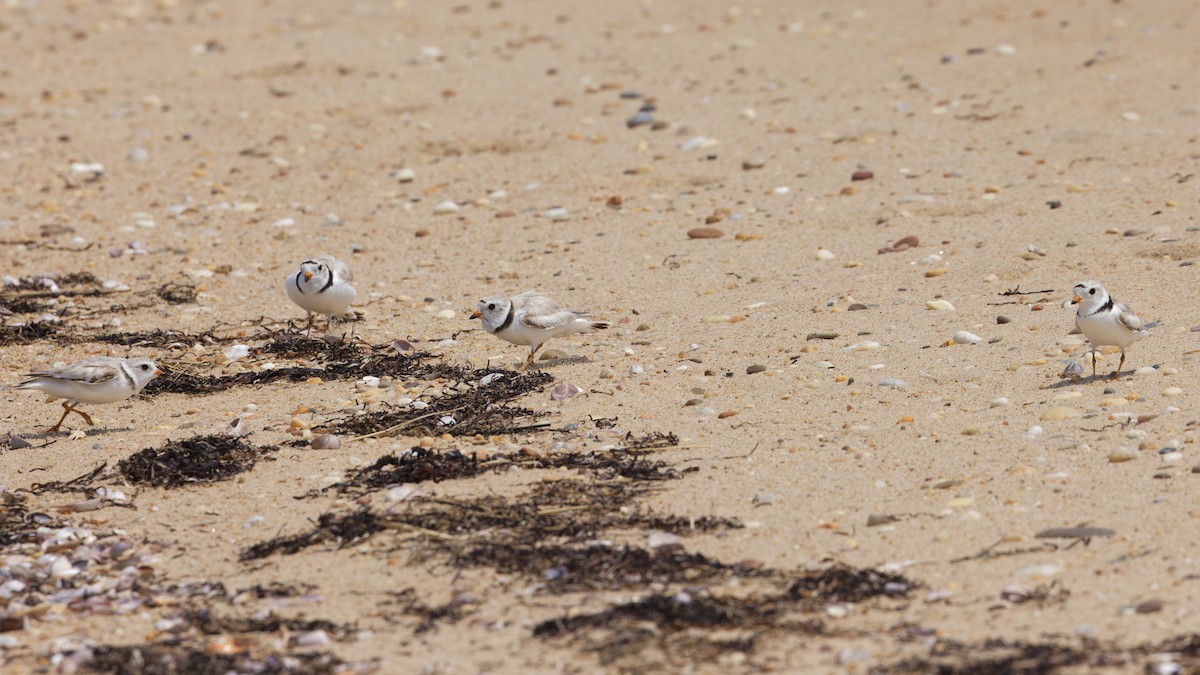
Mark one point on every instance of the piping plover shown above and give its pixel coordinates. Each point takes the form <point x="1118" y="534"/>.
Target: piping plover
<point x="322" y="286"/>
<point x="531" y="318"/>
<point x="1104" y="321"/>
<point x="101" y="379"/>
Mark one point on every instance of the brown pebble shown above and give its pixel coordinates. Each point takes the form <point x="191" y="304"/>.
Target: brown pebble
<point x="422" y="232"/>
<point x="857" y="307"/>
<point x="862" y="175"/>
<point x="720" y="213"/>
<point x="727" y="413"/>
<point x="693" y="401"/>
<point x="615" y="201"/>
<point x="1149" y="606"/>
<point x="848" y="191"/>
<point x="756" y="368"/>
<point x="642" y="327"/>
<point x="505" y="214"/>
<point x="902" y="244"/>
<point x="704" y="233"/>
<point x="1002" y="319"/>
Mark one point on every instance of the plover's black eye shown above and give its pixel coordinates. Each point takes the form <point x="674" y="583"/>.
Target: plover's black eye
<point x="320" y="268"/>
<point x="145" y="367"/>
<point x="491" y="305"/>
<point x="1092" y="292"/>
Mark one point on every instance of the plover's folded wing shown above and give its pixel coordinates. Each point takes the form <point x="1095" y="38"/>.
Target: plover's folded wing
<point x="90" y="371"/>
<point x="549" y="320"/>
<point x="1128" y="319"/>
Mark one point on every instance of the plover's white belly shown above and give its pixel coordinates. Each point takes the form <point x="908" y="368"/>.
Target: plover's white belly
<point x="109" y="391"/>
<point x="335" y="301"/>
<point x="521" y="334"/>
<point x="1105" y="330"/>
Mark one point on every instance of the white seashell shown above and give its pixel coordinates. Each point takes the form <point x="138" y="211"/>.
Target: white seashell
<point x="400" y="493"/>
<point x="557" y="214"/>
<point x="444" y="208"/>
<point x="939" y="305"/>
<point x="563" y="391"/>
<point x="962" y="337"/>
<point x="236" y="352"/>
<point x="864" y="346"/>
<point x="662" y="539"/>
<point x="237" y="428"/>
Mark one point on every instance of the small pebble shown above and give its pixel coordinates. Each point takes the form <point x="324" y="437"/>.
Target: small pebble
<point x="1123" y="454"/>
<point x="704" y="233"/>
<point x="1149" y="606"/>
<point x="326" y="442"/>
<point x="753" y="163"/>
<point x="1002" y="319"/>
<point x="756" y="368"/>
<point x="1172" y="391"/>
<point x="446" y="314"/>
<point x="557" y="214"/>
<point x="642" y="117"/>
<point x="962" y="337"/>
<point x="763" y="499"/>
<point x="892" y="382"/>
<point x="563" y="391"/>
<point x="663" y="540"/>
<point x="1054" y="413"/>
<point x="862" y="175"/>
<point x="939" y="305"/>
<point x="824" y="254"/>
<point x="445" y="208"/>
<point x="864" y="346"/>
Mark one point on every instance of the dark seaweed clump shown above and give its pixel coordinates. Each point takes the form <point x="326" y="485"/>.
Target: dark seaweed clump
<point x="169" y="659"/>
<point x="201" y="459"/>
<point x="574" y="511"/>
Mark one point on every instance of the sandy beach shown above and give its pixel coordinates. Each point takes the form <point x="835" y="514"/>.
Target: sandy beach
<point x="827" y="430"/>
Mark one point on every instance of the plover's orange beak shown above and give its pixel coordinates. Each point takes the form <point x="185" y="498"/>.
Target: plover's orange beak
<point x="158" y="372"/>
<point x="1077" y="300"/>
<point x="308" y="276"/>
<point x="475" y="314"/>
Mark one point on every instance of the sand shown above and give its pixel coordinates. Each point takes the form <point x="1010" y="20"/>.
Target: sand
<point x="1027" y="146"/>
